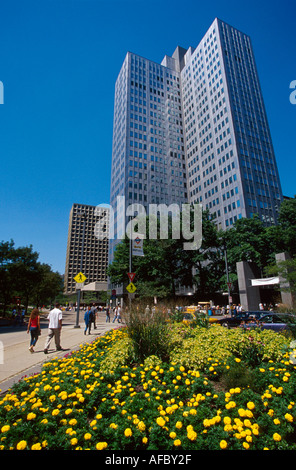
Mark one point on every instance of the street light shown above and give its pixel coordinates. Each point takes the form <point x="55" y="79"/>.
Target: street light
<point x="227" y="275"/>
<point x="83" y="217"/>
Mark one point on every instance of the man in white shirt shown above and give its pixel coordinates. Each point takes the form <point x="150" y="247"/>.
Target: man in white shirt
<point x="54" y="328"/>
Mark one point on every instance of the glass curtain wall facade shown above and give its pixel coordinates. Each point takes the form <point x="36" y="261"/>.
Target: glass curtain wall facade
<point x="194" y="129"/>
<point x="232" y="169"/>
<point x="148" y="157"/>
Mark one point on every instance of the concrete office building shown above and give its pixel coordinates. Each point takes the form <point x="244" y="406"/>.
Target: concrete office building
<point x="194" y="129"/>
<point x="87" y="248"/>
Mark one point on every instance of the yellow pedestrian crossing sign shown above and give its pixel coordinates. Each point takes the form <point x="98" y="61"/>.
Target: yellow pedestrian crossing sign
<point x="131" y="288"/>
<point x="80" y="277"/>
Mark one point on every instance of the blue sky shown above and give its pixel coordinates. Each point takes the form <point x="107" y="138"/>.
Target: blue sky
<point x="59" y="60"/>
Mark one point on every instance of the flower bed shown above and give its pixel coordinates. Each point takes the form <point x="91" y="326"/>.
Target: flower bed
<point x="99" y="398"/>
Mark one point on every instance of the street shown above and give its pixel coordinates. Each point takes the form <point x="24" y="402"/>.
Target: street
<point x="16" y="361"/>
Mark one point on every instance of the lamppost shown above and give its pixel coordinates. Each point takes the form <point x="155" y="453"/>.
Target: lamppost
<point x="82" y="217"/>
<point x="227" y="275"/>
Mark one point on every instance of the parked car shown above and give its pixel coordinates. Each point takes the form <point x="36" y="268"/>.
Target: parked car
<point x="273" y="321"/>
<point x="236" y="320"/>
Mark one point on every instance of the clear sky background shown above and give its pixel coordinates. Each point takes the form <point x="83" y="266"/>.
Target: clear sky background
<point x="59" y="60"/>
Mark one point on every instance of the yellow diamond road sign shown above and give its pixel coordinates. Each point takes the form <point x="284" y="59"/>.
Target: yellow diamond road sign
<point x="80" y="277"/>
<point x="131" y="288"/>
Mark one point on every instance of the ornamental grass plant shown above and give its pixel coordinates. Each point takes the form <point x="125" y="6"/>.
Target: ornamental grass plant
<point x="100" y="397"/>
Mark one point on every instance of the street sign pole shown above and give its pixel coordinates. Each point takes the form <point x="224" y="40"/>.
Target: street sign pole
<point x="130" y="262"/>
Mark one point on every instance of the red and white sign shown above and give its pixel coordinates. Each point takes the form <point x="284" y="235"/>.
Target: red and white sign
<point x="131" y="276"/>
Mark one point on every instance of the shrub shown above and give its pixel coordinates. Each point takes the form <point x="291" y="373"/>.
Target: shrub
<point x="149" y="335"/>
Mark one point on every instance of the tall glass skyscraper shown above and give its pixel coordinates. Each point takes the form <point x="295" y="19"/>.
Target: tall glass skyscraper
<point x="194" y="129"/>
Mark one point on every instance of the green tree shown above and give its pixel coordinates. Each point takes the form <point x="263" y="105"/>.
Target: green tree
<point x="49" y="286"/>
<point x="6" y="274"/>
<point x="21" y="274"/>
<point x="249" y="240"/>
<point x="286" y="234"/>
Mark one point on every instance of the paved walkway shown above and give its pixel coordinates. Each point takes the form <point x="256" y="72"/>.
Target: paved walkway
<point x="16" y="361"/>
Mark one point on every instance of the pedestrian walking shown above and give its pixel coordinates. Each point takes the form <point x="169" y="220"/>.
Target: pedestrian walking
<point x="54" y="328"/>
<point x="119" y="314"/>
<point x="107" y="315"/>
<point x="87" y="320"/>
<point x="34" y="328"/>
<point x="115" y="314"/>
<point x="94" y="311"/>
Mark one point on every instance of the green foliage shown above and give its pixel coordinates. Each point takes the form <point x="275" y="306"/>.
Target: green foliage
<point x="149" y="334"/>
<point x="21" y="274"/>
<point x="120" y="354"/>
<point x="79" y="402"/>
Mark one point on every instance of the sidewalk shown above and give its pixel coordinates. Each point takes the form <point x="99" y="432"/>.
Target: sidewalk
<point x="16" y="361"/>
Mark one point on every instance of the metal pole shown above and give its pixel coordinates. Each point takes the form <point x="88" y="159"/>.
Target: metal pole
<point x="83" y="216"/>
<point x="130" y="261"/>
<point x="227" y="274"/>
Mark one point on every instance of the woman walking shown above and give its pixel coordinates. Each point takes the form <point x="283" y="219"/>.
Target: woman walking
<point x="88" y="320"/>
<point x="34" y="328"/>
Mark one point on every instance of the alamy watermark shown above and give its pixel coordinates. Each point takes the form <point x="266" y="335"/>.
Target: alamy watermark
<point x="164" y="221"/>
<point x="293" y="94"/>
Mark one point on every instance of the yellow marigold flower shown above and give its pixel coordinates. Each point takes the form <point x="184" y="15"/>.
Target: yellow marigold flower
<point x="246" y="445"/>
<point x="68" y="411"/>
<point x="237" y="359"/>
<point x="230" y="405"/>
<point x="141" y="426"/>
<point x="101" y="445"/>
<point x="5" y="428"/>
<point x="179" y="424"/>
<point x="55" y="412"/>
<point x="289" y="417"/>
<point x="74" y="441"/>
<point x="21" y="445"/>
<point x="192" y="435"/>
<point x="31" y="416"/>
<point x="223" y="444"/>
<point x="44" y="421"/>
<point x="160" y="421"/>
<point x="173" y="435"/>
<point x="128" y="432"/>
<point x="276" y="421"/>
<point x="277" y="437"/>
<point x="227" y="420"/>
<point x="145" y="440"/>
<point x="250" y="405"/>
<point x="72" y="422"/>
<point x="177" y="443"/>
<point x="36" y="446"/>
